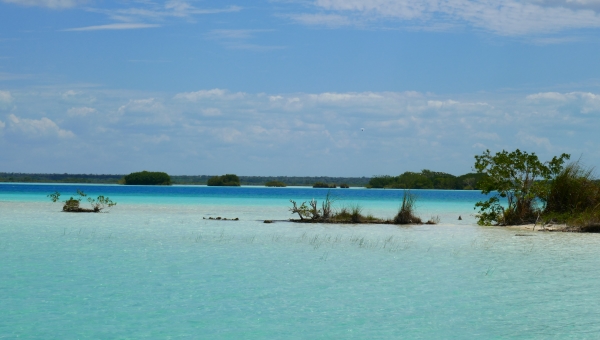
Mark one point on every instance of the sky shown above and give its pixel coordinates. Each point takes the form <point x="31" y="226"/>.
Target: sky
<point x="294" y="87"/>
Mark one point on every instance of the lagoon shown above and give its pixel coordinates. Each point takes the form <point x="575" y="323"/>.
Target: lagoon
<point x="153" y="267"/>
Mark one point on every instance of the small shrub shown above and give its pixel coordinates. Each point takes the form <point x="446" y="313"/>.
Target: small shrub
<point x="344" y="186"/>
<point x="73" y="204"/>
<point x="433" y="220"/>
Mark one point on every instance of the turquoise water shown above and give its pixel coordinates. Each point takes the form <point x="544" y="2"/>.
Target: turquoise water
<point x="154" y="268"/>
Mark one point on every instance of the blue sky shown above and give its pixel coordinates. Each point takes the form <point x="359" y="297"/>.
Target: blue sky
<point x="286" y="87"/>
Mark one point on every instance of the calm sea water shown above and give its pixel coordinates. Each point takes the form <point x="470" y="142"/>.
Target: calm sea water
<point x="152" y="267"/>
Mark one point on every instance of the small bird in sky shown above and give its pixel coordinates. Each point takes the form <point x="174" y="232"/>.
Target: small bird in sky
<point x="362" y="129"/>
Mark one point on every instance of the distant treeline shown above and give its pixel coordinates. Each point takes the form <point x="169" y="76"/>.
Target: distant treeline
<point x="427" y="179"/>
<point x="202" y="179"/>
<point x="289" y="181"/>
<point x="59" y="178"/>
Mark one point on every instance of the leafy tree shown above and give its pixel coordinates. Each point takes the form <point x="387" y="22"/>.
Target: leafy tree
<point x="147" y="178"/>
<point x="520" y="178"/>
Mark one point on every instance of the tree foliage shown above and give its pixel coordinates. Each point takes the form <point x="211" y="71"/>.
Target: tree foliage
<point x="518" y="178"/>
<point x="278" y="184"/>
<point x="229" y="180"/>
<point x="426" y="179"/>
<point x="73" y="204"/>
<point x="147" y="178"/>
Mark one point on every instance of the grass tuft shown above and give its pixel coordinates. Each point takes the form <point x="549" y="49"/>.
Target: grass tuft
<point x="406" y="214"/>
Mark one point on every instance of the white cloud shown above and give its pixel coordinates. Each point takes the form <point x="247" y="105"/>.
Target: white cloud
<point x="578" y="4"/>
<point x="142" y="105"/>
<point x="120" y="26"/>
<point x="36" y="128"/>
<point x="319" y="19"/>
<point x="209" y="94"/>
<point x="154" y="11"/>
<point x="548" y="96"/>
<point x="5" y="97"/>
<point x="530" y="139"/>
<point x="487" y="135"/>
<point x="47" y="3"/>
<point x="329" y="97"/>
<point x="234" y="33"/>
<point x="211" y="112"/>
<point x="237" y="39"/>
<point x="80" y="111"/>
<point x="504" y="17"/>
<point x="583" y="102"/>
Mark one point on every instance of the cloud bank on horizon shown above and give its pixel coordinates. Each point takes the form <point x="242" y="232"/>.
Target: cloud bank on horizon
<point x="286" y="87"/>
<point x="208" y="131"/>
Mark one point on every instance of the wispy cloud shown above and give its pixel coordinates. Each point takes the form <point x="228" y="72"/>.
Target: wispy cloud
<point x="219" y="34"/>
<point x="13" y="76"/>
<point x="238" y="39"/>
<point x="503" y="17"/>
<point x="57" y="4"/>
<point x="320" y="19"/>
<point x="5" y="97"/>
<point x="37" y="128"/>
<point x="161" y="11"/>
<point x="120" y="26"/>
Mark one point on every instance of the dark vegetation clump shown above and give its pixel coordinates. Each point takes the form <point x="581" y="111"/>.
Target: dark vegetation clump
<point x="74" y="204"/>
<point x="574" y="199"/>
<point x="426" y="179"/>
<point x="278" y="184"/>
<point x="229" y="180"/>
<point x="312" y="213"/>
<point x="147" y="178"/>
<point x="324" y="185"/>
<point x="406" y="213"/>
<point x="344" y="186"/>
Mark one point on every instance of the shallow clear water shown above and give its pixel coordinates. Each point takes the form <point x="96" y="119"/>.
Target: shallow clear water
<point x="153" y="267"/>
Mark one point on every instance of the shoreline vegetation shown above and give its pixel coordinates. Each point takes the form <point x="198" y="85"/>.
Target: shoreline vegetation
<point x="353" y="214"/>
<point x="524" y="190"/>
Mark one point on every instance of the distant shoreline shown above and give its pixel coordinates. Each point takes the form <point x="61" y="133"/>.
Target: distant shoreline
<point x="177" y="180"/>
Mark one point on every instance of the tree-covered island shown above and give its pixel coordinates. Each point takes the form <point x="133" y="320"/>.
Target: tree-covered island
<point x="229" y="180"/>
<point x="147" y="178"/>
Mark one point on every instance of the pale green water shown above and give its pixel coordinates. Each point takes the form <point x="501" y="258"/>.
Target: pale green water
<point x="153" y="270"/>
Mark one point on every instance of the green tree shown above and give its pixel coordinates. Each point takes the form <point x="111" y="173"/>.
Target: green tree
<point x="518" y="177"/>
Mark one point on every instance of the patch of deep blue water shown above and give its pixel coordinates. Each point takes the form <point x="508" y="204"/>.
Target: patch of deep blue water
<point x="153" y="267"/>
